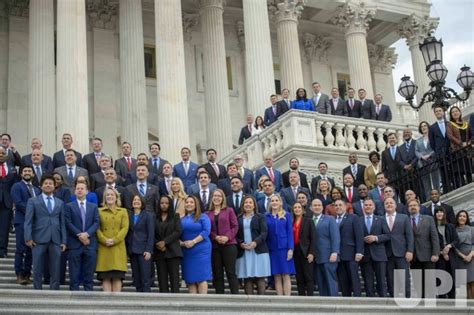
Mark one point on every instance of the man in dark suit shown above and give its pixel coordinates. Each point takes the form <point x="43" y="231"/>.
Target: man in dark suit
<point x="400" y="247"/>
<point x="354" y="107"/>
<point x="245" y="173"/>
<point x="204" y="183"/>
<point x="36" y="162"/>
<point x="290" y="193"/>
<point x="376" y="234"/>
<point x="205" y="191"/>
<point x="337" y="105"/>
<point x="368" y="106"/>
<point x="357" y="170"/>
<point x="352" y="249"/>
<point x="235" y="199"/>
<point x="435" y="202"/>
<point x="320" y="100"/>
<point x="46" y="161"/>
<point x="127" y="163"/>
<point x="20" y="193"/>
<point x="328" y="242"/>
<point x="164" y="183"/>
<point x="377" y="193"/>
<point x="382" y="111"/>
<point x="14" y="158"/>
<point x="91" y="161"/>
<point x="270" y="115"/>
<point x="142" y="188"/>
<point x="268" y="170"/>
<point x="408" y="157"/>
<point x="294" y="164"/>
<point x="45" y="233"/>
<point x="358" y="206"/>
<point x="427" y="246"/>
<point x="186" y="170"/>
<point x="439" y="142"/>
<point x="110" y="177"/>
<point x="142" y="159"/>
<point x="215" y="170"/>
<point x="98" y="179"/>
<point x="59" y="158"/>
<point x="323" y="168"/>
<point x="284" y="104"/>
<point x="156" y="162"/>
<point x="225" y="184"/>
<point x="352" y="194"/>
<point x="246" y="131"/>
<point x="263" y="204"/>
<point x="82" y="222"/>
<point x="8" y="177"/>
<point x="71" y="171"/>
<point x="391" y="166"/>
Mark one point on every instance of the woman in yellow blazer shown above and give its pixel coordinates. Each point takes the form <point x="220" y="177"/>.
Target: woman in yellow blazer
<point x="112" y="253"/>
<point x="371" y="171"/>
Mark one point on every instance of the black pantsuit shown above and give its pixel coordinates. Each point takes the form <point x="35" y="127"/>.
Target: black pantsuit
<point x="224" y="257"/>
<point x="380" y="268"/>
<point x="168" y="274"/>
<point x="304" y="273"/>
<point x="141" y="270"/>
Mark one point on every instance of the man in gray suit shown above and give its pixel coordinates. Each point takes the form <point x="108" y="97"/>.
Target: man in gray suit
<point x="368" y="106"/>
<point x="71" y="171"/>
<point x="45" y="232"/>
<point x="320" y="100"/>
<point x="427" y="246"/>
<point x="382" y="111"/>
<point x="337" y="105"/>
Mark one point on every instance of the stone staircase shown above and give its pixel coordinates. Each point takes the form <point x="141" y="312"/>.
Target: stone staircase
<point x="17" y="299"/>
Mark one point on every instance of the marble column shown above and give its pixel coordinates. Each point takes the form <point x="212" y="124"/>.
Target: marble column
<point x="71" y="78"/>
<point x="355" y="18"/>
<point x="171" y="79"/>
<point x="260" y="80"/>
<point x="132" y="76"/>
<point x="316" y="51"/>
<point x="414" y="29"/>
<point x="216" y="90"/>
<point x="286" y="14"/>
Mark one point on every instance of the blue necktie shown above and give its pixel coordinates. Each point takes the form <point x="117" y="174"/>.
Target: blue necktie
<point x="408" y="146"/>
<point x="369" y="223"/>
<point x="155" y="164"/>
<point x="70" y="174"/>
<point x="49" y="205"/>
<point x="443" y="128"/>
<point x="38" y="173"/>
<point x="142" y="190"/>
<point x="392" y="149"/>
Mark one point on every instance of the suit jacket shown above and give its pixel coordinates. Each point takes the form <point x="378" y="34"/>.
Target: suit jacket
<point x="370" y="176"/>
<point x="20" y="196"/>
<point x="385" y="114"/>
<point x="226" y="226"/>
<point x="74" y="226"/>
<point x="245" y="133"/>
<point x="63" y="193"/>
<point x="121" y="166"/>
<point x="131" y="178"/>
<point x="212" y="172"/>
<point x="426" y="239"/>
<point x="189" y="178"/>
<point x="141" y="235"/>
<point x="454" y="137"/>
<point x="307" y="237"/>
<point x="276" y="174"/>
<point x="261" y="204"/>
<point x="59" y="159"/>
<point x="98" y="180"/>
<point x="281" y="235"/>
<point x="287" y="194"/>
<point x="67" y="182"/>
<point x="157" y="171"/>
<point x="269" y="117"/>
<point x="341" y="108"/>
<point x="448" y="210"/>
<point x="322" y="105"/>
<point x="152" y="197"/>
<point x="46" y="163"/>
<point x="328" y="239"/>
<point x="358" y="208"/>
<point x="422" y="150"/>
<point x="282" y="107"/>
<point x="408" y="157"/>
<point x="315" y="182"/>
<point x="224" y="184"/>
<point x="285" y="177"/>
<point x="391" y="167"/>
<point x="89" y="162"/>
<point x="368" y="109"/>
<point x="6" y="184"/>
<point x="258" y="230"/>
<point x="195" y="189"/>
<point x="352" y="237"/>
<point x="439" y="143"/>
<point x="100" y="194"/>
<point x="354" y="193"/>
<point x="162" y="187"/>
<point x="356" y="111"/>
<point x="401" y="237"/>
<point x="374" y="194"/>
<point x="359" y="178"/>
<point x="43" y="227"/>
<point x="249" y="178"/>
<point x="230" y="200"/>
<point x="168" y="231"/>
<point x="14" y="159"/>
<point x="376" y="250"/>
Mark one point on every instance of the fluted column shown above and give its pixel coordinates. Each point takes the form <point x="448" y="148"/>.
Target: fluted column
<point x="260" y="80"/>
<point x="132" y="76"/>
<point x="355" y="18"/>
<point x="414" y="29"/>
<point x="41" y="83"/>
<point x="215" y="77"/>
<point x="286" y="14"/>
<point x="71" y="84"/>
<point x="171" y="79"/>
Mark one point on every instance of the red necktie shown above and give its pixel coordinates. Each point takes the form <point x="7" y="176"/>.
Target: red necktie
<point x="382" y="196"/>
<point x="129" y="163"/>
<point x="3" y="171"/>
<point x="270" y="173"/>
<point x="349" y="195"/>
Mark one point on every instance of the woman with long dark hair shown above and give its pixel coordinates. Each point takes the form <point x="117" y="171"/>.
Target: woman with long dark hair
<point x="459" y="135"/>
<point x="258" y="126"/>
<point x="337" y="193"/>
<point x="465" y="249"/>
<point x="302" y="102"/>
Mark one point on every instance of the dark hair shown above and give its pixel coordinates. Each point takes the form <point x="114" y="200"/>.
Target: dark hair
<point x="56" y="173"/>
<point x="350" y="89"/>
<point x="6" y="134"/>
<point x="436" y="106"/>
<point x="236" y="177"/>
<point x="468" y="222"/>
<point x="360" y="90"/>
<point x="273" y="95"/>
<point x="47" y="177"/>
<point x="263" y="122"/>
<point x="298" y="98"/>
<point x="171" y="210"/>
<point x="421" y="123"/>
<point x="204" y="172"/>
<point x="142" y="200"/>
<point x="125" y="142"/>
<point x="320" y="163"/>
<point x="440" y="209"/>
<point x="157" y="144"/>
<point x="255" y="210"/>
<point x="370" y="199"/>
<point x="315" y="83"/>
<point x="294" y="158"/>
<point x="211" y="150"/>
<point x="285" y="89"/>
<point x="374" y="153"/>
<point x="451" y="116"/>
<point x="293" y="210"/>
<point x="230" y="165"/>
<point x="96" y="138"/>
<point x="380" y="173"/>
<point x="142" y="154"/>
<point x="25" y="166"/>
<point x="185" y="148"/>
<point x="341" y="191"/>
<point x="70" y="150"/>
<point x="197" y="212"/>
<point x="302" y="193"/>
<point x="392" y="134"/>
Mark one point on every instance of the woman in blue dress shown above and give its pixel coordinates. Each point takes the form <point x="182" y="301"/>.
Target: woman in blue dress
<point x="253" y="264"/>
<point x="196" y="262"/>
<point x="280" y="243"/>
<point x="301" y="101"/>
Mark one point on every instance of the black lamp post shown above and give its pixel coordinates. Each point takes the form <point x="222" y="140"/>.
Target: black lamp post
<point x="432" y="51"/>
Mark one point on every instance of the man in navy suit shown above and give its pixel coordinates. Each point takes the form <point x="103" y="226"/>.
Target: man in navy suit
<point x="408" y="158"/>
<point x="268" y="170"/>
<point x="354" y="107"/>
<point x="246" y="131"/>
<point x="323" y="168"/>
<point x="142" y="187"/>
<point x="91" y="161"/>
<point x="337" y="105"/>
<point x="377" y="193"/>
<point x="284" y="104"/>
<point x="270" y="115"/>
<point x="391" y="166"/>
<point x="225" y="184"/>
<point x="131" y="177"/>
<point x="268" y="191"/>
<point x="352" y="194"/>
<point x="382" y="111"/>
<point x="215" y="170"/>
<point x="82" y="222"/>
<point x="246" y="174"/>
<point x="289" y="194"/>
<point x="376" y="234"/>
<point x="357" y="170"/>
<point x="14" y="158"/>
<point x="7" y="179"/>
<point x="368" y="106"/>
<point x="186" y="170"/>
<point x="439" y="141"/>
<point x="59" y="157"/>
<point x="156" y="162"/>
<point x="294" y="164"/>
<point x="235" y="199"/>
<point x="352" y="249"/>
<point x="164" y="183"/>
<point x="46" y="161"/>
<point x="327" y="249"/>
<point x="21" y="192"/>
<point x="203" y="191"/>
<point x="45" y="233"/>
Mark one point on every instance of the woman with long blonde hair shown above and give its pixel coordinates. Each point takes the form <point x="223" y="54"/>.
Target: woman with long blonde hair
<point x="178" y="196"/>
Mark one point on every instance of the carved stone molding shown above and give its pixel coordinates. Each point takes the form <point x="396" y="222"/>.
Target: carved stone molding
<point x="103" y="13"/>
<point x="382" y="58"/>
<point x="415" y="28"/>
<point x="316" y="47"/>
<point x="240" y="34"/>
<point x="286" y="10"/>
<point x="354" y="16"/>
<point x="190" y="21"/>
<point x="16" y="7"/>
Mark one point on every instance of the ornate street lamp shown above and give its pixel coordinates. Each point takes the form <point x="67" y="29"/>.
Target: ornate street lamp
<point x="438" y="94"/>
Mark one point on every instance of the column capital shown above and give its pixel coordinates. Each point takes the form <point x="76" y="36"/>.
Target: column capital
<point x="208" y="4"/>
<point x="415" y="28"/>
<point x="103" y="13"/>
<point x="239" y="26"/>
<point x="287" y="10"/>
<point x="316" y="47"/>
<point x="382" y="58"/>
<point x="17" y="7"/>
<point x="354" y="16"/>
<point x="190" y="20"/>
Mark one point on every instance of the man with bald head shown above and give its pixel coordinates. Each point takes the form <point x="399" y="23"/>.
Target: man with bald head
<point x="46" y="163"/>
